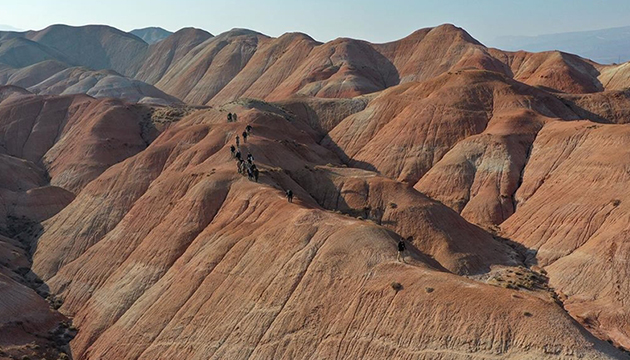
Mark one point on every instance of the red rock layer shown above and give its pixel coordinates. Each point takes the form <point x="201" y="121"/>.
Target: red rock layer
<point x="186" y="258"/>
<point x="75" y="137"/>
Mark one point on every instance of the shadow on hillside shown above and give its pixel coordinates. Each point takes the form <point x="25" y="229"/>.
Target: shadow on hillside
<point x="305" y="187"/>
<point x="328" y="143"/>
<point x="527" y="256"/>
<point x="318" y="185"/>
<point x="314" y="186"/>
<point x="583" y="113"/>
<point x="26" y="233"/>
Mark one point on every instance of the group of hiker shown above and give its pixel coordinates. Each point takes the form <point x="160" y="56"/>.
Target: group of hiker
<point x="245" y="166"/>
<point x="248" y="167"/>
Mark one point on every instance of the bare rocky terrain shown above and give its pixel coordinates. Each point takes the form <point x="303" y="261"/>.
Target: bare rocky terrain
<point x="126" y="231"/>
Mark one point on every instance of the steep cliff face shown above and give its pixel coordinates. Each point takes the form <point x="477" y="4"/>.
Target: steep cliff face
<point x="572" y="213"/>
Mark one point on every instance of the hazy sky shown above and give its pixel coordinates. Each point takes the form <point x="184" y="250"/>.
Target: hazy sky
<point x="376" y="21"/>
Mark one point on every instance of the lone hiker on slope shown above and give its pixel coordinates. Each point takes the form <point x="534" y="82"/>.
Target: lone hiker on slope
<point x="248" y="129"/>
<point x="401" y="250"/>
<point x="245" y="136"/>
<point x="233" y="150"/>
<point x="238" y="141"/>
<point x="290" y="196"/>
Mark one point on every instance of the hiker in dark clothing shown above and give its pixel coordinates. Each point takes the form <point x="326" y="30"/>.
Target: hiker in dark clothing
<point x="234" y="117"/>
<point x="250" y="174"/>
<point x="290" y="196"/>
<point x="401" y="250"/>
<point x="233" y="150"/>
<point x="245" y="137"/>
<point x="229" y="117"/>
<point x="238" y="141"/>
<point x="256" y="172"/>
<point x="242" y="167"/>
<point x="238" y="155"/>
<point x="250" y="157"/>
<point x="250" y="162"/>
<point x="248" y="129"/>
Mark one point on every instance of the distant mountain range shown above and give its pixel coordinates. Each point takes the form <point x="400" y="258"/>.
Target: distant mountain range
<point x="198" y="68"/>
<point x="4" y="27"/>
<point x="97" y="60"/>
<point x="605" y="46"/>
<point x="126" y="232"/>
<point x="151" y="35"/>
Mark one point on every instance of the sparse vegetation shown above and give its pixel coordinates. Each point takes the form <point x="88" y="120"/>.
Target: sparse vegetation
<point x="55" y="302"/>
<point x="167" y="114"/>
<point x="429" y="290"/>
<point x="19" y="228"/>
<point x="396" y="286"/>
<point x="393" y="205"/>
<point x="522" y="278"/>
<point x="527" y="314"/>
<point x="616" y="202"/>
